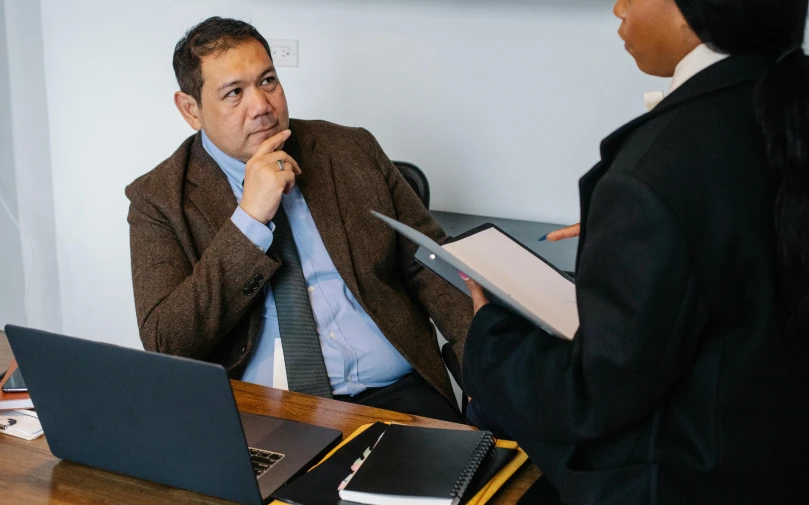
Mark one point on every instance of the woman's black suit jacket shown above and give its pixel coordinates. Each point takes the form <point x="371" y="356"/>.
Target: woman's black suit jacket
<point x="680" y="386"/>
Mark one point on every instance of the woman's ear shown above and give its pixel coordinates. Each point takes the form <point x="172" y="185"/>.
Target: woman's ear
<point x="688" y="35"/>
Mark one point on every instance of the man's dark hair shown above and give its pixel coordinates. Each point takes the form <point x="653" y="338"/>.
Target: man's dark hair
<point x="215" y="35"/>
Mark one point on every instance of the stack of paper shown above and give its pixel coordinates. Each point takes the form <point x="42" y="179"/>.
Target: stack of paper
<point x="21" y="424"/>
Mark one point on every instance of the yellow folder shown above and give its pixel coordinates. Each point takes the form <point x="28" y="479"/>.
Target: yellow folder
<point x="485" y="494"/>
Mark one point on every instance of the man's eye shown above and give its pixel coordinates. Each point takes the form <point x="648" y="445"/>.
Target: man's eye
<point x="268" y="80"/>
<point x="235" y="92"/>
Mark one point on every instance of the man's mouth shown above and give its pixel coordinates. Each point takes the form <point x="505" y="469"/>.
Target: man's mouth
<point x="264" y="130"/>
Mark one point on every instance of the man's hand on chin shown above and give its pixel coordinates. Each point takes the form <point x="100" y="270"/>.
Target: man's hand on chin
<point x="269" y="174"/>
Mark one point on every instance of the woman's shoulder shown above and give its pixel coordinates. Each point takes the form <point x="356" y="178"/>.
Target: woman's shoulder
<point x="713" y="141"/>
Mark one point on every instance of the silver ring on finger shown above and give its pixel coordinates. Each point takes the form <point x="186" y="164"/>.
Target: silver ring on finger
<point x="280" y="165"/>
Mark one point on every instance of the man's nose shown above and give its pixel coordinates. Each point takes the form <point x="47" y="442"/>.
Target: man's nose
<point x="258" y="103"/>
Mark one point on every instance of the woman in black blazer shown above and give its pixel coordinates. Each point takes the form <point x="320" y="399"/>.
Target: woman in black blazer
<point x="687" y="380"/>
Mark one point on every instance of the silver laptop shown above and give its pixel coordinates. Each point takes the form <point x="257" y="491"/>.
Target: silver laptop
<point x="161" y="418"/>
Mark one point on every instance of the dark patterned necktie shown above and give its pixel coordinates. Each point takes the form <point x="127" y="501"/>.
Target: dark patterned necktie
<point x="306" y="370"/>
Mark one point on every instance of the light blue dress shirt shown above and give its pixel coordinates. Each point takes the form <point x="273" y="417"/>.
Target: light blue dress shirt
<point x="357" y="354"/>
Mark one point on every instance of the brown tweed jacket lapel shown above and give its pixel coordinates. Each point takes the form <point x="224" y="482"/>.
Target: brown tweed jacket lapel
<point x="317" y="184"/>
<point x="208" y="189"/>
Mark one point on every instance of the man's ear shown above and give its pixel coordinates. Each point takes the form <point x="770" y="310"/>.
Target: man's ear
<point x="189" y="108"/>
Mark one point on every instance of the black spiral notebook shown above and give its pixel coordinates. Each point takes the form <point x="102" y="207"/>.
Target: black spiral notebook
<point x="419" y="466"/>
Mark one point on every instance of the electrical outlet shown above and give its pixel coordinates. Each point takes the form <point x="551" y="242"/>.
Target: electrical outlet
<point x="284" y="52"/>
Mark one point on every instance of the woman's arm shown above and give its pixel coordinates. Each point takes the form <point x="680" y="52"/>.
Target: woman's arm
<point x="640" y="313"/>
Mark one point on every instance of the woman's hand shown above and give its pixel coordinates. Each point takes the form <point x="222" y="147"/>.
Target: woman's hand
<point x="564" y="233"/>
<point x="478" y="298"/>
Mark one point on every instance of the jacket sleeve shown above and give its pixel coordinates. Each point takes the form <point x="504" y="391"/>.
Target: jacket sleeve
<point x="188" y="309"/>
<point x="450" y="310"/>
<point x="640" y="312"/>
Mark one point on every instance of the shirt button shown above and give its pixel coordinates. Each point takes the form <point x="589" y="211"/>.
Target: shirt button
<point x="311" y="290"/>
<point x="348" y="379"/>
<point x="332" y="335"/>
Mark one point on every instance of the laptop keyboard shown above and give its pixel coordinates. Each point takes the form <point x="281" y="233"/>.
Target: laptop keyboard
<point x="263" y="460"/>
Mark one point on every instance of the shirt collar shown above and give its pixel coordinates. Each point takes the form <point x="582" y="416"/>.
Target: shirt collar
<point x="695" y="62"/>
<point x="233" y="168"/>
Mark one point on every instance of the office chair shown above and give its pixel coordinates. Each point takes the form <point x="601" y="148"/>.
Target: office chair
<point x="418" y="181"/>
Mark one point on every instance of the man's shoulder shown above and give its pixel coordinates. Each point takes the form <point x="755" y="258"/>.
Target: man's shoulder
<point x="328" y="134"/>
<point x="165" y="177"/>
<point x="320" y="127"/>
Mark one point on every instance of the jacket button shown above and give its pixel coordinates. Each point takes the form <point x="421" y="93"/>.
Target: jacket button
<point x="259" y="278"/>
<point x="253" y="284"/>
<point x="247" y="291"/>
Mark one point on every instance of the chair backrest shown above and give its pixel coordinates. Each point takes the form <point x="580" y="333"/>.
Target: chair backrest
<point x="417" y="180"/>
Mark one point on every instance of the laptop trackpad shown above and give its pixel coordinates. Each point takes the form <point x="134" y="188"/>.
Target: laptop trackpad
<point x="257" y="427"/>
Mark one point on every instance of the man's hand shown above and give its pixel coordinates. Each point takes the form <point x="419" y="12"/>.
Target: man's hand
<point x="478" y="298"/>
<point x="564" y="233"/>
<point x="265" y="182"/>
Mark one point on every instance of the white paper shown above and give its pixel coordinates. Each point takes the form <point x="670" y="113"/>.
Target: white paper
<point x="16" y="404"/>
<point x="522" y="276"/>
<point x="21" y="424"/>
<point x="279" y="367"/>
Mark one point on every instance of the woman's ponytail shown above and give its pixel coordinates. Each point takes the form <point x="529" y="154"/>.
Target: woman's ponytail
<point x="782" y="109"/>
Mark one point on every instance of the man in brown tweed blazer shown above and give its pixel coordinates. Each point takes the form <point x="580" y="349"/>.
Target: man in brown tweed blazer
<point x="206" y="228"/>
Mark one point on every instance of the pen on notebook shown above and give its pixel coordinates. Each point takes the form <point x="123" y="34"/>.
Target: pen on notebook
<point x="543" y="238"/>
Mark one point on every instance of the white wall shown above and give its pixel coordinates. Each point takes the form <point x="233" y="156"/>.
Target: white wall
<point x="31" y="155"/>
<point x="12" y="283"/>
<point x="502" y="103"/>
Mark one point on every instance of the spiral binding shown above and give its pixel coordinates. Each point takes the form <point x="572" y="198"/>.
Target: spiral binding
<point x="485" y="444"/>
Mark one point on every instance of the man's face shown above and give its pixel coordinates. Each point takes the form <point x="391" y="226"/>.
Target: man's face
<point x="656" y="34"/>
<point x="243" y="103"/>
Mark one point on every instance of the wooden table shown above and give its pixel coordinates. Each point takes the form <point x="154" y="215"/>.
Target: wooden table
<point x="29" y="474"/>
